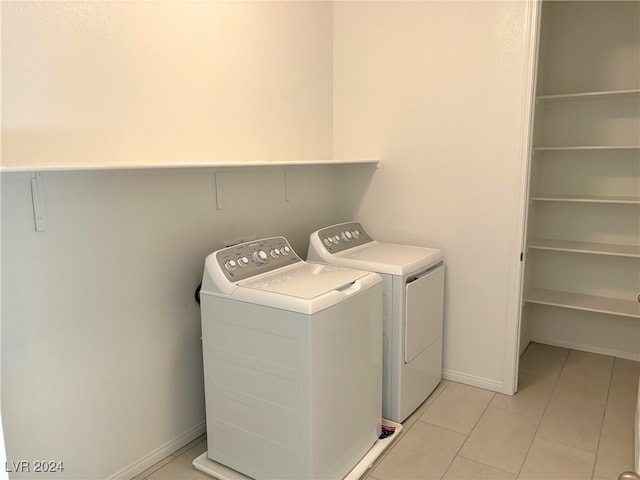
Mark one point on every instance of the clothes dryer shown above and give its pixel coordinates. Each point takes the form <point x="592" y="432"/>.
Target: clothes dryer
<point x="292" y="357"/>
<point x="413" y="284"/>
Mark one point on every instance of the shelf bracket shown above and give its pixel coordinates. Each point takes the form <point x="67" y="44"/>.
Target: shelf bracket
<point x="37" y="197"/>
<point x="287" y="188"/>
<point x="219" y="196"/>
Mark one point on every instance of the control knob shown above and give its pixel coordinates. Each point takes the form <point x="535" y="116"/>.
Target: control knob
<point x="243" y="261"/>
<point x="275" y="253"/>
<point x="285" y="250"/>
<point x="230" y="265"/>
<point x="260" y="256"/>
<point x="346" y="236"/>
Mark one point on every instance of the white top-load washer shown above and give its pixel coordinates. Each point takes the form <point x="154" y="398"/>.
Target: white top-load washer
<point x="413" y="283"/>
<point x="292" y="357"/>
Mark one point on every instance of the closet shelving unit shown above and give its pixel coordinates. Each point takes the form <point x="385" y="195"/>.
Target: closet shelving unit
<point x="540" y="194"/>
<point x="582" y="260"/>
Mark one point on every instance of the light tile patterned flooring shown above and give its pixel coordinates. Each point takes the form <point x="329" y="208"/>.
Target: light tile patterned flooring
<point x="572" y="418"/>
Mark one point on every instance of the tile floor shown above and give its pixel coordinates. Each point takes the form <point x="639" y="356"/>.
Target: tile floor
<point x="572" y="418"/>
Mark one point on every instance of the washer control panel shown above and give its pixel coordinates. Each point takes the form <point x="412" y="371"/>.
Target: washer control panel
<point x="248" y="259"/>
<point x="341" y="237"/>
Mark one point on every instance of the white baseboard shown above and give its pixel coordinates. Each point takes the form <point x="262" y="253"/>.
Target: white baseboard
<point x="159" y="453"/>
<point x="612" y="352"/>
<point x="472" y="380"/>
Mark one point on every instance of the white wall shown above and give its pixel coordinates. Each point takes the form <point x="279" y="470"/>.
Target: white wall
<point x="101" y="353"/>
<point x="165" y="82"/>
<point x="440" y="91"/>
<point x="102" y="361"/>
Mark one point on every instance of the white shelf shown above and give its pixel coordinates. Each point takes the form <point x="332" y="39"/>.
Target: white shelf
<point x="216" y="168"/>
<point x="213" y="165"/>
<point x="585" y="247"/>
<point x="583" y="177"/>
<point x="576" y="301"/>
<point x="601" y="95"/>
<point x="630" y="200"/>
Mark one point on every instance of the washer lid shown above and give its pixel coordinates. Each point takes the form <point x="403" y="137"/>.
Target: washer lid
<point x="305" y="287"/>
<point x="387" y="258"/>
<point x="305" y="280"/>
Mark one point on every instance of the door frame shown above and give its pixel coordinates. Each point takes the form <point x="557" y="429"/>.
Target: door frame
<point x="516" y="283"/>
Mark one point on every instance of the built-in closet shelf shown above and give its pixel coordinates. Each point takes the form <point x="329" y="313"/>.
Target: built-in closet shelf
<point x="576" y="301"/>
<point x="629" y="200"/>
<point x="583" y="201"/>
<point x="173" y="166"/>
<point x="599" y="95"/>
<point x="585" y="247"/>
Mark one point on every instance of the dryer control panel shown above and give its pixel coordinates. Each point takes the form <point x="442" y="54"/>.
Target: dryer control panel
<point x="343" y="236"/>
<point x="249" y="259"/>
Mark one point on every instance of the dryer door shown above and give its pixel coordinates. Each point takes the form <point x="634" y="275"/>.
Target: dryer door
<point x="424" y="311"/>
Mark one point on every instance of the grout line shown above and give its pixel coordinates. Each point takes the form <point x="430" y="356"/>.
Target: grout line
<point x="171" y="457"/>
<point x="484" y="464"/>
<point x="442" y="386"/>
<point x="467" y="437"/>
<point x="544" y="411"/>
<point x="474" y="425"/>
<point x="556" y="383"/>
<point x="569" y="446"/>
<point x="604" y="415"/>
<point x="428" y="406"/>
<point x="405" y="429"/>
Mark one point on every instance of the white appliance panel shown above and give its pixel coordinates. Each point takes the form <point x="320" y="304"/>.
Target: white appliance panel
<point x="413" y="279"/>
<point x="347" y="354"/>
<point x="423" y="312"/>
<point x="419" y="379"/>
<point x="310" y="411"/>
<point x="390" y="376"/>
<point x="293" y="373"/>
<point x="304" y="281"/>
<point x="390" y="258"/>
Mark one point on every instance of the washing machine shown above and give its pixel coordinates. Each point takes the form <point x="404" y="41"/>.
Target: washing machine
<point x="413" y="285"/>
<point x="292" y="357"/>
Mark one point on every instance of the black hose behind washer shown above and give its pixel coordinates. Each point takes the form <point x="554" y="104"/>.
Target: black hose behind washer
<point x="197" y="294"/>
